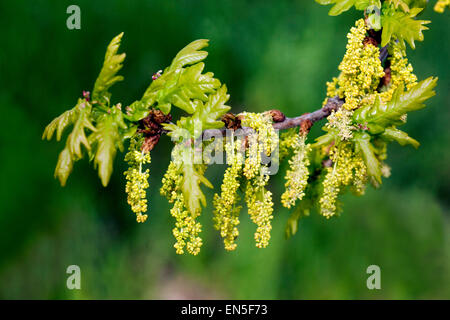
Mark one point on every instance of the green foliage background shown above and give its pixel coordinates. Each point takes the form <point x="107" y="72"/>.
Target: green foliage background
<point x="270" y="54"/>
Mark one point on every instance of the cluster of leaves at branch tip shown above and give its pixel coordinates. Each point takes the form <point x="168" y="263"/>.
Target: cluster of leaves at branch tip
<point x="376" y="93"/>
<point x="394" y="17"/>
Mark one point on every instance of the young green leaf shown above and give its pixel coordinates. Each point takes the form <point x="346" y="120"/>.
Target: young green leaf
<point x="193" y="195"/>
<point x="105" y="141"/>
<point x="394" y="134"/>
<point x="363" y="145"/>
<point x="82" y="121"/>
<point x="59" y="124"/>
<point x="186" y="85"/>
<point x="210" y="115"/>
<point x="402" y="26"/>
<point x="382" y="115"/>
<point x="325" y="139"/>
<point x="64" y="166"/>
<point x="181" y="82"/>
<point x="344" y="5"/>
<point x="107" y="76"/>
<point x="136" y="111"/>
<point x="401" y="4"/>
<point x="190" y="54"/>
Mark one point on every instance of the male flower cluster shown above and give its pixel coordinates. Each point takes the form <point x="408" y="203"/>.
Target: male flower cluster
<point x="226" y="213"/>
<point x="297" y="174"/>
<point x="137" y="179"/>
<point x="187" y="229"/>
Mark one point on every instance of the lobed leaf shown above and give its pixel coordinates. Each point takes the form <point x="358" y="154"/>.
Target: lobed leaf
<point x="80" y="117"/>
<point x="382" y="115"/>
<point x="341" y="6"/>
<point x="82" y="122"/>
<point x="105" y="141"/>
<point x="363" y="145"/>
<point x="182" y="81"/>
<point x="64" y="166"/>
<point x="192" y="193"/>
<point x="190" y="54"/>
<point x="402" y="26"/>
<point x="59" y="124"/>
<point x="186" y="85"/>
<point x="394" y="134"/>
<point x="107" y="77"/>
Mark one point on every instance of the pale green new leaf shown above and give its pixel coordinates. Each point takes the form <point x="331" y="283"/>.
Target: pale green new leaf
<point x="193" y="195"/>
<point x="400" y="3"/>
<point x="171" y="128"/>
<point x="190" y="54"/>
<point x="213" y="110"/>
<point x="107" y="76"/>
<point x="394" y="134"/>
<point x="80" y="117"/>
<point x="167" y="79"/>
<point x="180" y="83"/>
<point x="363" y="145"/>
<point x="105" y="141"/>
<point x="344" y="5"/>
<point x="64" y="166"/>
<point x="383" y="115"/>
<point x="136" y="111"/>
<point x="207" y="115"/>
<point x="325" y="139"/>
<point x="59" y="124"/>
<point x="78" y="135"/>
<point x="402" y="26"/>
<point x="186" y="85"/>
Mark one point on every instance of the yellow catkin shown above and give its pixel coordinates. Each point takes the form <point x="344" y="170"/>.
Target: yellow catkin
<point x="401" y="71"/>
<point x="288" y="141"/>
<point x="361" y="71"/>
<point x="297" y="175"/>
<point x="264" y="140"/>
<point x="187" y="229"/>
<point x="258" y="199"/>
<point x="137" y="179"/>
<point x="348" y="169"/>
<point x="226" y="213"/>
<point x="260" y="206"/>
<point x="359" y="175"/>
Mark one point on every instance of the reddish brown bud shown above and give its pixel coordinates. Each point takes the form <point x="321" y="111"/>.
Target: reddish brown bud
<point x="305" y="126"/>
<point x="370" y="40"/>
<point x="231" y="121"/>
<point x="387" y="76"/>
<point x="150" y="142"/>
<point x="151" y="127"/>
<point x="277" y="115"/>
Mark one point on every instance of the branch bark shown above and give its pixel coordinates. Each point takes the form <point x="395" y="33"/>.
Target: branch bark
<point x="332" y="104"/>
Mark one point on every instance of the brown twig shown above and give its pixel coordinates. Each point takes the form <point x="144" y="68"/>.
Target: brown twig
<point x="332" y="104"/>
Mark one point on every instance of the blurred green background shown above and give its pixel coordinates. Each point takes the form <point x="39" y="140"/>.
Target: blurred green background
<point x="270" y="54"/>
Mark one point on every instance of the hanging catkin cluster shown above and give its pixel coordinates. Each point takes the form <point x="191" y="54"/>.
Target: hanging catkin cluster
<point x="348" y="168"/>
<point x="187" y="229"/>
<point x="263" y="141"/>
<point x="297" y="174"/>
<point x="360" y="75"/>
<point x="226" y="213"/>
<point x="137" y="178"/>
<point x="401" y="71"/>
